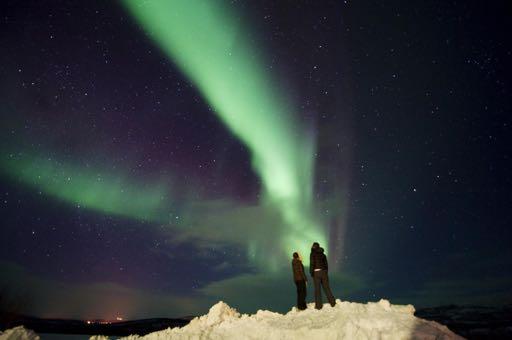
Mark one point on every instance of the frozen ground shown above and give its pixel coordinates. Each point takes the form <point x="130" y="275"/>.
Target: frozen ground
<point x="18" y="333"/>
<point x="379" y="320"/>
<point x="374" y="320"/>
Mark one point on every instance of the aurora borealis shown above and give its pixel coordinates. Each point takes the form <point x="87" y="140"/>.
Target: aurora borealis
<point x="212" y="49"/>
<point x="89" y="189"/>
<point x="158" y="156"/>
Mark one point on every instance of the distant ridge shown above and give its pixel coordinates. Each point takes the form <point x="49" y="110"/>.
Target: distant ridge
<point x="473" y="322"/>
<point x="119" y="328"/>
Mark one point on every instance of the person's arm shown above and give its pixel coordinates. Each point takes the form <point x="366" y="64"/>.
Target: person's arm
<point x="311" y="269"/>
<point x="326" y="265"/>
<point x="303" y="273"/>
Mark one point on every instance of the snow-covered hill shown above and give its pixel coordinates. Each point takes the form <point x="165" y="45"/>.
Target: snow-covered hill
<point x="346" y="320"/>
<point x="374" y="320"/>
<point x="18" y="333"/>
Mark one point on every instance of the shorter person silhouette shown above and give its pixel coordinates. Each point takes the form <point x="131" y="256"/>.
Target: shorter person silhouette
<point x="300" y="281"/>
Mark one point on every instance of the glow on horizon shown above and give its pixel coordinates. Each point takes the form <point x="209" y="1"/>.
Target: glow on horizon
<point x="213" y="50"/>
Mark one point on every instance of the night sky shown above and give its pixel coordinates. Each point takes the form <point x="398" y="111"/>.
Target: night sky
<point x="157" y="157"/>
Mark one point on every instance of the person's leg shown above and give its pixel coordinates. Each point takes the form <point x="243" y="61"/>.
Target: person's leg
<point x="301" y="289"/>
<point x="305" y="294"/>
<point x="318" y="293"/>
<point x="327" y="289"/>
<point x="297" y="284"/>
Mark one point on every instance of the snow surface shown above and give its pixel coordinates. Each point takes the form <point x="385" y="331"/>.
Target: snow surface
<point x="346" y="320"/>
<point x="18" y="333"/>
<point x="374" y="320"/>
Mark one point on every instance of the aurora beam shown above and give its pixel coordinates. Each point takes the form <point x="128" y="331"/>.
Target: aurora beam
<point x="214" y="51"/>
<point x="89" y="188"/>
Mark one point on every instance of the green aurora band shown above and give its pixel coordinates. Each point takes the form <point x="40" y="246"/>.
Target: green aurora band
<point x="89" y="189"/>
<point x="212" y="49"/>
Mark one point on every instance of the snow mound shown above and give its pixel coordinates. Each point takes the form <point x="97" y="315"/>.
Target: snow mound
<point x="220" y="312"/>
<point x="18" y="333"/>
<point x="346" y="320"/>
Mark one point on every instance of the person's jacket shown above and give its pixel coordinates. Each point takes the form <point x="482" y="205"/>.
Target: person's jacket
<point x="317" y="260"/>
<point x="298" y="270"/>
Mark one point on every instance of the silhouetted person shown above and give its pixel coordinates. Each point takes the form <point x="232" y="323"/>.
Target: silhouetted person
<point x="318" y="270"/>
<point x="300" y="281"/>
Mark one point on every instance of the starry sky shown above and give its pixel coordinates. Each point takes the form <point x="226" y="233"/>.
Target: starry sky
<point x="159" y="156"/>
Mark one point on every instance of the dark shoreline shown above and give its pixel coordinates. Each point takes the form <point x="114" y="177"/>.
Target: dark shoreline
<point x="472" y="322"/>
<point x="121" y="328"/>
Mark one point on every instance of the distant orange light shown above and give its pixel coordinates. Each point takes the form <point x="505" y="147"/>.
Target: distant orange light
<point x="119" y="318"/>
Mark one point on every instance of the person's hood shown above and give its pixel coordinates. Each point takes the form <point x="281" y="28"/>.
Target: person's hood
<point x="317" y="250"/>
